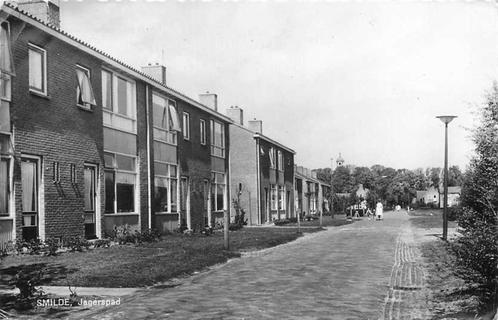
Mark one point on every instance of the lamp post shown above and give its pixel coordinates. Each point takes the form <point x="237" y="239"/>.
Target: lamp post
<point x="446" y="120"/>
<point x="332" y="187"/>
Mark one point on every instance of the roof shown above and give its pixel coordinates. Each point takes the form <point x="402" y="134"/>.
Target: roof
<point x="261" y="136"/>
<point x="456" y="189"/>
<point x="72" y="40"/>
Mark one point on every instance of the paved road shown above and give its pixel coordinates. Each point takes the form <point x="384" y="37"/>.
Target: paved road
<point x="367" y="270"/>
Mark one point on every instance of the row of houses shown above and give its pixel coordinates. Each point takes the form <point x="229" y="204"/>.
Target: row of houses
<point x="88" y="143"/>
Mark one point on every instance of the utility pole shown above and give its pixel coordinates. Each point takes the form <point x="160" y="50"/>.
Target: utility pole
<point x="332" y="193"/>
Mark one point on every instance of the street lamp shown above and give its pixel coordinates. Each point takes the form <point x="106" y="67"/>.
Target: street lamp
<point x="445" y="120"/>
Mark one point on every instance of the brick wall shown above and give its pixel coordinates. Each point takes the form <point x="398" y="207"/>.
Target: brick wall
<point x="56" y="129"/>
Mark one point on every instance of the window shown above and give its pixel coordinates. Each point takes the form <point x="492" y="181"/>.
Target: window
<point x="217" y="139"/>
<point x="4" y="186"/>
<point x="29" y="183"/>
<point x="120" y="181"/>
<point x="186" y="126"/>
<point x="202" y="126"/>
<point x="184" y="193"/>
<point x="281" y="198"/>
<point x="280" y="162"/>
<point x="165" y="187"/>
<point x="273" y="197"/>
<point x="271" y="153"/>
<point x="84" y="92"/>
<point x="89" y="195"/>
<point x="217" y="191"/>
<point x="37" y="69"/>
<point x="119" y="101"/>
<point x="107" y="90"/>
<point x="56" y="172"/>
<point x="164" y="119"/>
<point x="6" y="64"/>
<point x="72" y="169"/>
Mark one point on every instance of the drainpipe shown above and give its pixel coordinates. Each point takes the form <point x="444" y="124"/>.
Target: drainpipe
<point x="258" y="186"/>
<point x="149" y="186"/>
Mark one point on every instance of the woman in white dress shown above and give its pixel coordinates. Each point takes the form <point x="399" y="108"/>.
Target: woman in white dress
<point x="378" y="210"/>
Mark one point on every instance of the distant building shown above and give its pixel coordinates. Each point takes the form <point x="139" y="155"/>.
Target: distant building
<point x="310" y="193"/>
<point x="339" y="161"/>
<point x="261" y="172"/>
<point x="435" y="197"/>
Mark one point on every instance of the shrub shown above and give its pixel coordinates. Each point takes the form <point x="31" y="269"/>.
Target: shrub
<point x="77" y="243"/>
<point x="102" y="243"/>
<point x="149" y="235"/>
<point x="123" y="234"/>
<point x="52" y="245"/>
<point x="454" y="213"/>
<point x="27" y="280"/>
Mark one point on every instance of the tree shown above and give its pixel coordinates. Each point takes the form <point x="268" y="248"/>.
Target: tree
<point x="342" y="180"/>
<point x="363" y="175"/>
<point x="477" y="247"/>
<point x="455" y="176"/>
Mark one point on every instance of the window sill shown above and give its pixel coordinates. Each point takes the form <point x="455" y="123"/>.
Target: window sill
<point x="166" y="213"/>
<point x="6" y="217"/>
<point x="39" y="94"/>
<point x="85" y="108"/>
<point x="120" y="214"/>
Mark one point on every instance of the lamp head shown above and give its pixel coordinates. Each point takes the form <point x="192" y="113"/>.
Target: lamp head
<point x="446" y="119"/>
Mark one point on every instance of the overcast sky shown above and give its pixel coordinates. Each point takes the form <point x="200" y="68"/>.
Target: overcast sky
<point x="362" y="79"/>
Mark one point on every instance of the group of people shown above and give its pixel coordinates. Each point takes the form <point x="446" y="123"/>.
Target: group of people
<point x="377" y="212"/>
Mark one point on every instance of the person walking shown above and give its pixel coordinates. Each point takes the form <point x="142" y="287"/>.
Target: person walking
<point x="379" y="210"/>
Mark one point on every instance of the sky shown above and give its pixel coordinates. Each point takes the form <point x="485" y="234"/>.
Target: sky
<point x="364" y="79"/>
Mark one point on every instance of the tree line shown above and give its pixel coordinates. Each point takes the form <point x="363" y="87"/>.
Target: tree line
<point x="389" y="185"/>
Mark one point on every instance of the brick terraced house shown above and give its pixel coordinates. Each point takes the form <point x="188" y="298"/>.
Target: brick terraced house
<point x="88" y="143"/>
<point x="261" y="172"/>
<point x="311" y="194"/>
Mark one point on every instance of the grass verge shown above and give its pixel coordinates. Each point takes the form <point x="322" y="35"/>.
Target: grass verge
<point x="138" y="266"/>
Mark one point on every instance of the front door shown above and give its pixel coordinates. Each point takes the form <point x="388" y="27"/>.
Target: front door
<point x="90" y="200"/>
<point x="30" y="204"/>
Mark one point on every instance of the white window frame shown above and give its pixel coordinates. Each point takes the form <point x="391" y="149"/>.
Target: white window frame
<point x="186" y="125"/>
<point x="281" y="198"/>
<point x="272" y="155"/>
<point x="9" y="161"/>
<point x="169" y="177"/>
<point x="202" y="128"/>
<point x="114" y="168"/>
<point x="44" y="90"/>
<point x="273" y="201"/>
<point x="214" y="185"/>
<point x="111" y="117"/>
<point x="171" y="135"/>
<point x="217" y="151"/>
<point x="85" y="105"/>
<point x="280" y="163"/>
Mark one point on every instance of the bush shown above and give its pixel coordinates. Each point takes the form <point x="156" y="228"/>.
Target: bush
<point x="148" y="236"/>
<point x="102" y="243"/>
<point x="52" y="245"/>
<point x="123" y="234"/>
<point x="477" y="255"/>
<point x="77" y="243"/>
<point x="27" y="280"/>
<point x="454" y="213"/>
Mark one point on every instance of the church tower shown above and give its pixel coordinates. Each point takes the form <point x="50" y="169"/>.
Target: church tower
<point x="340" y="161"/>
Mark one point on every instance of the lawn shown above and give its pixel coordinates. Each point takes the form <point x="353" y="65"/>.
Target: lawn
<point x="138" y="266"/>
<point x="430" y="218"/>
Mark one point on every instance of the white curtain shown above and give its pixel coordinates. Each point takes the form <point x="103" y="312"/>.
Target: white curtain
<point x="175" y="123"/>
<point x="85" y="87"/>
<point x="35" y="69"/>
<point x="4" y="208"/>
<point x="89" y="189"/>
<point x="6" y="64"/>
<point x="28" y="182"/>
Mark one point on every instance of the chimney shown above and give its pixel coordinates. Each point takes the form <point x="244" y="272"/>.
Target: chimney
<point x="156" y="72"/>
<point x="45" y="10"/>
<point x="209" y="100"/>
<point x="236" y="114"/>
<point x="256" y="126"/>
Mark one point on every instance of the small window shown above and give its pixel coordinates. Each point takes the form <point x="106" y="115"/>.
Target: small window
<point x="280" y="163"/>
<point x="84" y="92"/>
<point x="56" y="172"/>
<point x="202" y="125"/>
<point x="4" y="187"/>
<point x="72" y="168"/>
<point x="186" y="126"/>
<point x="37" y="69"/>
<point x="107" y="90"/>
<point x="271" y="153"/>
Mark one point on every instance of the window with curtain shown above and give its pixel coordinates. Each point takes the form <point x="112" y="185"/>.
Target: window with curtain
<point x="281" y="198"/>
<point x="6" y="64"/>
<point x="37" y="69"/>
<point x="89" y="192"/>
<point x="186" y="126"/>
<point x="202" y="127"/>
<point x="119" y="101"/>
<point x="217" y="139"/>
<point x="84" y="91"/>
<point x="107" y="90"/>
<point x="29" y="186"/>
<point x="120" y="183"/>
<point x="4" y="187"/>
<point x="280" y="163"/>
<point x="273" y="197"/>
<point x="271" y="154"/>
<point x="165" y="188"/>
<point x="217" y="191"/>
<point x="164" y="116"/>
